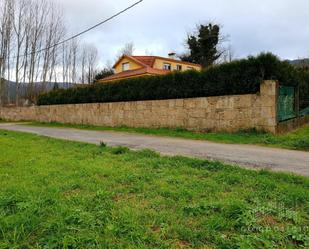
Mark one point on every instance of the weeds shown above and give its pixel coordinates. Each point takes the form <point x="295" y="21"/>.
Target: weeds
<point x="60" y="194"/>
<point x="103" y="145"/>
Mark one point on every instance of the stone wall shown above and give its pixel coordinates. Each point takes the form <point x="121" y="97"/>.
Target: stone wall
<point x="223" y="113"/>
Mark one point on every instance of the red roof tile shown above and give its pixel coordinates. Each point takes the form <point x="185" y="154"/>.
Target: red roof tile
<point x="148" y="60"/>
<point x="137" y="72"/>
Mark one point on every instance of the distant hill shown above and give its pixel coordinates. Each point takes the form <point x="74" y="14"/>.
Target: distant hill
<point x="10" y="87"/>
<point x="300" y="62"/>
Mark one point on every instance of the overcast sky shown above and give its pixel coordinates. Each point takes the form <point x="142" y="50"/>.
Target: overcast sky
<point x="160" y="26"/>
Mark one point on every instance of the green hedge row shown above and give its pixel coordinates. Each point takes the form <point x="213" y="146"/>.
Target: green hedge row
<point x="239" y="77"/>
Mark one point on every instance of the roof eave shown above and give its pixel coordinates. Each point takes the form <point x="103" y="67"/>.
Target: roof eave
<point x="130" y="58"/>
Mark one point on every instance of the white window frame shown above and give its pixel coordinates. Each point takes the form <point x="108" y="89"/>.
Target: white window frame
<point x="125" y="66"/>
<point x="167" y="66"/>
<point x="179" y="67"/>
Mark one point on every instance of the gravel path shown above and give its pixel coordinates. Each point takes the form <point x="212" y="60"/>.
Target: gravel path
<point x="249" y="156"/>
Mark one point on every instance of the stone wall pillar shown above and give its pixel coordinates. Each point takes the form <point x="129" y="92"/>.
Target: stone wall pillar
<point x="269" y="91"/>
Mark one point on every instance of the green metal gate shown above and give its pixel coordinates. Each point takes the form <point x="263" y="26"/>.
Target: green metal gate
<point x="304" y="112"/>
<point x="286" y="103"/>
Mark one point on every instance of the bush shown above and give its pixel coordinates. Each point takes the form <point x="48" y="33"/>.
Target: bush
<point x="239" y="77"/>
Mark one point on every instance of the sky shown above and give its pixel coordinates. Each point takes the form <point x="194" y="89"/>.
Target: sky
<point x="157" y="27"/>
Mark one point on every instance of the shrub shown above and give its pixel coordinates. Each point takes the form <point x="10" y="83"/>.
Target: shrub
<point x="238" y="77"/>
<point x="102" y="144"/>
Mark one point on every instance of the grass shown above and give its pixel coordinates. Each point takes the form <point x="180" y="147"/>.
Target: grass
<point x="60" y="194"/>
<point x="297" y="140"/>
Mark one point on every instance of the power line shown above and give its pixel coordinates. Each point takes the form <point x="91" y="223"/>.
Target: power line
<point x="83" y="32"/>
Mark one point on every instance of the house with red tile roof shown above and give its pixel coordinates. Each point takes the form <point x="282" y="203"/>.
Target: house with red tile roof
<point x="137" y="66"/>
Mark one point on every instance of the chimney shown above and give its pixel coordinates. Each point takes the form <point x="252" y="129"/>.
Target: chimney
<point x="172" y="55"/>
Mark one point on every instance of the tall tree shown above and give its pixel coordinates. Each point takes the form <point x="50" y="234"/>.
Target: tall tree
<point x="103" y="74"/>
<point x="204" y="45"/>
<point x="20" y="31"/>
<point x="29" y="29"/>
<point x="82" y="59"/>
<point x="229" y="55"/>
<point x="91" y="63"/>
<point x="128" y="49"/>
<point x="6" y="30"/>
<point x="88" y="62"/>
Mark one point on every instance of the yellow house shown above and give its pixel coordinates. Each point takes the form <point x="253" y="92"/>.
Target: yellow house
<point x="137" y="66"/>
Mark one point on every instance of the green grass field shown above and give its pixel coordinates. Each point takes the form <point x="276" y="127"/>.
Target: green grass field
<point x="60" y="194"/>
<point x="297" y="140"/>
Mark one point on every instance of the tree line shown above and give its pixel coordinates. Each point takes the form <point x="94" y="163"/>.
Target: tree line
<point x="28" y="31"/>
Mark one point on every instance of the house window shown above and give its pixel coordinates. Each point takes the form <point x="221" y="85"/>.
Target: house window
<point x="179" y="67"/>
<point x="167" y="66"/>
<point x="191" y="68"/>
<point x="125" y="66"/>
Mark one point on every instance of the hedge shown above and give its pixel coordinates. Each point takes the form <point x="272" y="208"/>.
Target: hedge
<point x="239" y="77"/>
<point x="304" y="91"/>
